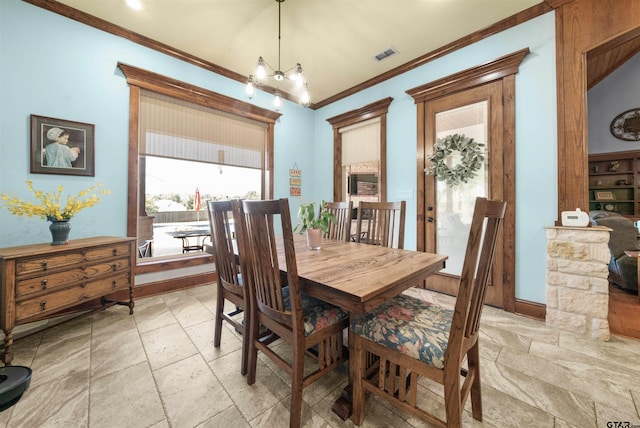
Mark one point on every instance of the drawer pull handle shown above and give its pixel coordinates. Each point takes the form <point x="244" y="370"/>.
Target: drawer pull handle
<point x="44" y="284"/>
<point x="114" y="251"/>
<point x="44" y="265"/>
<point x="43" y="305"/>
<point x="114" y="283"/>
<point x="114" y="267"/>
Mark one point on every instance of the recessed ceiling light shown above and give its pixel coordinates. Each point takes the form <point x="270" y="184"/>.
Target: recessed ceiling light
<point x="135" y="4"/>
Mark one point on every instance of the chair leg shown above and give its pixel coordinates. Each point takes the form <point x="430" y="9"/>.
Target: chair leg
<point x="473" y="361"/>
<point x="219" y="311"/>
<point x="245" y="349"/>
<point x="452" y="397"/>
<point x="297" y="376"/>
<point x="252" y="357"/>
<point x="356" y="371"/>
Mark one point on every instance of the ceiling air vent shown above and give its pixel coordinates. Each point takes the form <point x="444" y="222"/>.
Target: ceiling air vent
<point x="385" y="54"/>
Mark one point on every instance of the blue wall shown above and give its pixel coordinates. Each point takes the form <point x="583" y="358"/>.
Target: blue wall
<point x="55" y="67"/>
<point x="536" y="139"/>
<point x="52" y="66"/>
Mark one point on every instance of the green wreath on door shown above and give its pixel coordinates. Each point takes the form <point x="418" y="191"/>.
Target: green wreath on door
<point x="472" y="159"/>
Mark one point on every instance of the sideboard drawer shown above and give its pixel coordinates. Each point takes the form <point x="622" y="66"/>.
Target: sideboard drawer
<point x="48" y="281"/>
<point x="111" y="266"/>
<point x="72" y="296"/>
<point x="115" y="250"/>
<point x="43" y="263"/>
<point x="51" y="281"/>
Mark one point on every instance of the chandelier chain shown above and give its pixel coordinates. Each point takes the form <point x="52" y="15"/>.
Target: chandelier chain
<point x="279" y="33"/>
<point x="294" y="74"/>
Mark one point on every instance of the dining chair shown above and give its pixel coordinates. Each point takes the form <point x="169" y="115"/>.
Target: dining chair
<point x="412" y="337"/>
<point x="310" y="325"/>
<point x="381" y="223"/>
<point x="341" y="229"/>
<point x="229" y="282"/>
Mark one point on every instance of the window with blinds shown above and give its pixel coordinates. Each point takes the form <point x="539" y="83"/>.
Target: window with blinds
<point x="188" y="154"/>
<point x="361" y="160"/>
<point x="360" y="148"/>
<point x="177" y="129"/>
<point x="361" y="142"/>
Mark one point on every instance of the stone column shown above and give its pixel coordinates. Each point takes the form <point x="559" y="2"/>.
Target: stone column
<point x="577" y="284"/>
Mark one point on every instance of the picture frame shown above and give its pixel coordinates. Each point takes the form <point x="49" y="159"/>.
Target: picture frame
<point x="60" y="146"/>
<point x="604" y="196"/>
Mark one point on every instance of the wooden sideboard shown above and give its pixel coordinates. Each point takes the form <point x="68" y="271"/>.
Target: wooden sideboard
<point x="39" y="281"/>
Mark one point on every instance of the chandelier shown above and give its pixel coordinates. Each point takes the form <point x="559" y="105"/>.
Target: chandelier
<point x="264" y="71"/>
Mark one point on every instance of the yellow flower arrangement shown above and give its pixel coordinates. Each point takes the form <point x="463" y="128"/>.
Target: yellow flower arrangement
<point x="49" y="207"/>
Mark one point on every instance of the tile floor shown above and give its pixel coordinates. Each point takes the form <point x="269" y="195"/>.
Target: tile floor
<point x="158" y="368"/>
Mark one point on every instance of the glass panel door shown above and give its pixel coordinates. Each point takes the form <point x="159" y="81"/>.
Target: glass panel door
<point x="473" y="113"/>
<point x="454" y="204"/>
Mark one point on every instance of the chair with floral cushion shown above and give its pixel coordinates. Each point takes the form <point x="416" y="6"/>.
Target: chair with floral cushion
<point x="412" y="337"/>
<point x="341" y="229"/>
<point x="310" y="325"/>
<point x="229" y="282"/>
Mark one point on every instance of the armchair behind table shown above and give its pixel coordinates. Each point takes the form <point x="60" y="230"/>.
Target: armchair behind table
<point x="623" y="270"/>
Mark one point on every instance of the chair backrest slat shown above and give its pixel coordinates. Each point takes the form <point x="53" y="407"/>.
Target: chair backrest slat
<point x="341" y="229"/>
<point x="381" y="223"/>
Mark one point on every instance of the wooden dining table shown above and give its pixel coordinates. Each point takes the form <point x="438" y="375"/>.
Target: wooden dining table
<point x="358" y="277"/>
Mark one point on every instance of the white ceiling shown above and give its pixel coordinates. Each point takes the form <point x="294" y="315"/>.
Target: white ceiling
<point x="334" y="40"/>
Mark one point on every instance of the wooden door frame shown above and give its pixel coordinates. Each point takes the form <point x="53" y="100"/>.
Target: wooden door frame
<point x="582" y="25"/>
<point x="503" y="69"/>
<point x="491" y="94"/>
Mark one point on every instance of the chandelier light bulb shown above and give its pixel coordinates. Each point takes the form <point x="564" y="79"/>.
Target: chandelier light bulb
<point x="277" y="101"/>
<point x="305" y="98"/>
<point x="250" y="89"/>
<point x="298" y="76"/>
<point x="261" y="71"/>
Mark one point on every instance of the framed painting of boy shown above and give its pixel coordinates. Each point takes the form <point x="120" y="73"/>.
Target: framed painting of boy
<point x="62" y="147"/>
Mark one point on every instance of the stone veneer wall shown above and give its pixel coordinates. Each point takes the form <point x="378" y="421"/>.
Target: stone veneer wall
<point x="577" y="285"/>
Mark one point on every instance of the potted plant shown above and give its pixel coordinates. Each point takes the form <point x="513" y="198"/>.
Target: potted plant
<point x="315" y="225"/>
<point x="52" y="207"/>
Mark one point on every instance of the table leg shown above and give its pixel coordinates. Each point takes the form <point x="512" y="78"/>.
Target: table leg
<point x="343" y="406"/>
<point x="7" y="352"/>
<point x="131" y="302"/>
